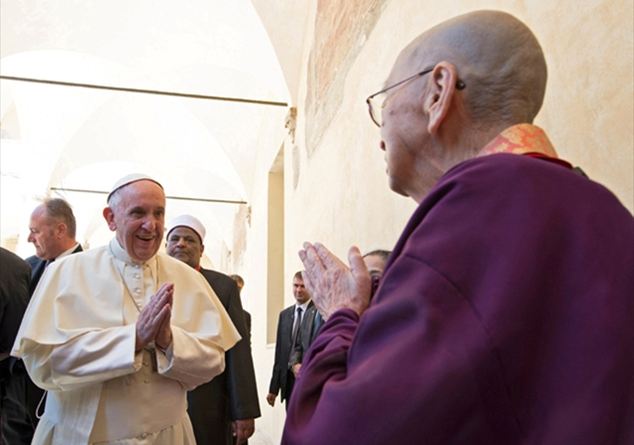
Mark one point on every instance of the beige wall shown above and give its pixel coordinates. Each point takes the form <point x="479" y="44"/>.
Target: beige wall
<point x="337" y="192"/>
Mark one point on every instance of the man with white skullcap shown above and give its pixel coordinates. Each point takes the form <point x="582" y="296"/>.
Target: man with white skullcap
<point x="228" y="405"/>
<point x="119" y="333"/>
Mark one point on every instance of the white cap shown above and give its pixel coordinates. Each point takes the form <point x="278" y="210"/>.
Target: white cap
<point x="187" y="221"/>
<point x="129" y="179"/>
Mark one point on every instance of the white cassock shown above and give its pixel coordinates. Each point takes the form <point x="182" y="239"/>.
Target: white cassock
<point x="77" y="341"/>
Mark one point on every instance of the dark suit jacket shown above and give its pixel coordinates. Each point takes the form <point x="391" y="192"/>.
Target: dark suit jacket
<point x="311" y="323"/>
<point x="282" y="379"/>
<point x="37" y="268"/>
<point x="231" y="395"/>
<point x="247" y="319"/>
<point x="14" y="296"/>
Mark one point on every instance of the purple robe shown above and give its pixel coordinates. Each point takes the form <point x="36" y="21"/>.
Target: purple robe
<point x="505" y="316"/>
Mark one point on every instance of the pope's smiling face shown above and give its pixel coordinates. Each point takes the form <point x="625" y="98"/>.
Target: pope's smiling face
<point x="138" y="217"/>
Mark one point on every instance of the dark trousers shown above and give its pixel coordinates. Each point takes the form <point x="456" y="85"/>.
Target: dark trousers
<point x="290" y="382"/>
<point x="18" y="402"/>
<point x="208" y="409"/>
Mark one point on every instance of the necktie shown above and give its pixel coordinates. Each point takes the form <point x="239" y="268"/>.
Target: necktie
<point x="297" y="324"/>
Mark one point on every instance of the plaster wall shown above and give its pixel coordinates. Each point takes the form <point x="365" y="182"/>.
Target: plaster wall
<point x="336" y="189"/>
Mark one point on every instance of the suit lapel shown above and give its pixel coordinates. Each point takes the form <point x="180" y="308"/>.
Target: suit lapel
<point x="36" y="273"/>
<point x="37" y="268"/>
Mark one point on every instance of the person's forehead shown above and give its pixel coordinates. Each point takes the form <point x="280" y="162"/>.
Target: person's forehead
<point x="297" y="280"/>
<point x="38" y="212"/>
<point x="40" y="217"/>
<point x="376" y="261"/>
<point x="145" y="184"/>
<point x="184" y="231"/>
<point x="141" y="190"/>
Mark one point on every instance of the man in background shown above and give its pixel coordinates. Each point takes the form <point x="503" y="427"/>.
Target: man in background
<point x="226" y="407"/>
<point x="288" y="328"/>
<point x="14" y="297"/>
<point x="247" y="316"/>
<point x="52" y="232"/>
<point x="375" y="261"/>
<point x="310" y="325"/>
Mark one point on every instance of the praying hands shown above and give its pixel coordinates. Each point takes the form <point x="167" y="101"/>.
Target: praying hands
<point x="153" y="323"/>
<point x="332" y="284"/>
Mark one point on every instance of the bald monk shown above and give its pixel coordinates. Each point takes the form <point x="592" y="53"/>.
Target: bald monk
<point x="505" y="314"/>
<point x="117" y="335"/>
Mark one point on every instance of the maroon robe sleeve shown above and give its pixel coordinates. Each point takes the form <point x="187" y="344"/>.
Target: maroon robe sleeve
<point x="421" y="362"/>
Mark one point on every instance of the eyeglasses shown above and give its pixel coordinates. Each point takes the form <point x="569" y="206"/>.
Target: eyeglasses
<point x="375" y="112"/>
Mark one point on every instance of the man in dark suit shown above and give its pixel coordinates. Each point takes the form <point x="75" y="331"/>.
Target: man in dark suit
<point x="289" y="326"/>
<point x="52" y="231"/>
<point x="227" y="405"/>
<point x="247" y="317"/>
<point x="375" y="260"/>
<point x="311" y="323"/>
<point x="14" y="297"/>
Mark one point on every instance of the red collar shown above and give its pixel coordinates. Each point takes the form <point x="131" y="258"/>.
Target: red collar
<point x="520" y="139"/>
<point x="558" y="161"/>
<point x="524" y="139"/>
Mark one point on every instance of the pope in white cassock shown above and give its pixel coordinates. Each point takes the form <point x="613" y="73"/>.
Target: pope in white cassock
<point x="118" y="334"/>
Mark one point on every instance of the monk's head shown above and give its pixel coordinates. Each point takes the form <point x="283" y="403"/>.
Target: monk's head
<point x="136" y="212"/>
<point x="469" y="78"/>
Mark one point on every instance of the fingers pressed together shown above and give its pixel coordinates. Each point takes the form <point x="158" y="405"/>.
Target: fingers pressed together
<point x="153" y="323"/>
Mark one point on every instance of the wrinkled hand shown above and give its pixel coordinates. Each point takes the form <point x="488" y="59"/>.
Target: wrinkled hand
<point x="295" y="369"/>
<point x="164" y="335"/>
<point x="270" y="399"/>
<point x="331" y="283"/>
<point x="153" y="323"/>
<point x="242" y="429"/>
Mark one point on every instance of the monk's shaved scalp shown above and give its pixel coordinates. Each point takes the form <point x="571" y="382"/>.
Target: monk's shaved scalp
<point x="498" y="58"/>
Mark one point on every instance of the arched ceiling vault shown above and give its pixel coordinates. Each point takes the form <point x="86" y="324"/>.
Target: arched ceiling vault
<point x="56" y="136"/>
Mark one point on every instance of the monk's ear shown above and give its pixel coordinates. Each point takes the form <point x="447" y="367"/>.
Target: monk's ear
<point x="443" y="80"/>
<point x="108" y="215"/>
